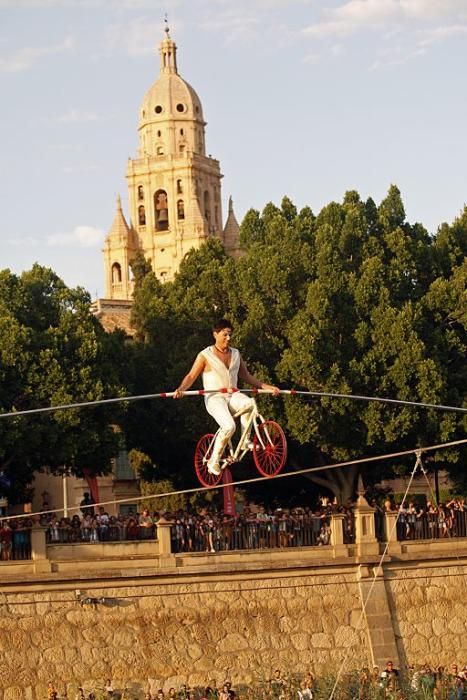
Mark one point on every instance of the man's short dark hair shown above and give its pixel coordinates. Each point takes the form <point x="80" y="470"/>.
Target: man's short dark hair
<point x="221" y="324"/>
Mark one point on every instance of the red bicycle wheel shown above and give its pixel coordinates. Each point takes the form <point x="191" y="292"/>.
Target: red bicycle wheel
<point x="269" y="448"/>
<point x="202" y="453"/>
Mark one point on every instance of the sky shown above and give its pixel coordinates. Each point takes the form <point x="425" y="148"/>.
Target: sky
<point x="308" y="98"/>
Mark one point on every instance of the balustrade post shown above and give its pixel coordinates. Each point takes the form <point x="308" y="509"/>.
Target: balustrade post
<point x="166" y="558"/>
<point x="365" y="535"/>
<point x="39" y="550"/>
<point x="337" y="536"/>
<point x="390" y="518"/>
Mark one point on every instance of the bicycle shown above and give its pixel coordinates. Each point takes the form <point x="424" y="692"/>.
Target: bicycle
<point x="269" y="447"/>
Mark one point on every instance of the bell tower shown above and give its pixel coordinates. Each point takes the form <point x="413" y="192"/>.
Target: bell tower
<point x="174" y="188"/>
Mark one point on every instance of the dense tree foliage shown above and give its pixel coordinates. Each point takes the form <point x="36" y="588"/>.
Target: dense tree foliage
<point x="52" y="352"/>
<point x="354" y="300"/>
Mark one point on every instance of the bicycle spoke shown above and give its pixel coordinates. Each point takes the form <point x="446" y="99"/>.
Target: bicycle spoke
<point x="202" y="453"/>
<point x="270" y="448"/>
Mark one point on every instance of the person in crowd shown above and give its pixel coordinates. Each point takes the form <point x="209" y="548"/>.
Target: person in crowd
<point x="102" y="519"/>
<point x="277" y="684"/>
<point x="52" y="694"/>
<point x="390" y="680"/>
<point x="109" y="688"/>
<point x="146" y="525"/>
<point x="6" y="537"/>
<point x="455" y="684"/>
<point x="87" y="504"/>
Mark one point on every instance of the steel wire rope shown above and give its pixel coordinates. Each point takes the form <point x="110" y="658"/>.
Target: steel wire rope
<point x="203" y="392"/>
<point x="377" y="569"/>
<point x="298" y="472"/>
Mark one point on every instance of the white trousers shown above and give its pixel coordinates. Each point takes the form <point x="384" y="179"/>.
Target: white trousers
<point x="222" y="407"/>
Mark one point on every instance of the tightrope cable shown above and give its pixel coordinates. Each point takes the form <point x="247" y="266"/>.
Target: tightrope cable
<point x="285" y="475"/>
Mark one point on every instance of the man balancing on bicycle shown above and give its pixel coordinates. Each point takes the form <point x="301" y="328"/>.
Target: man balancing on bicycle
<point x="221" y="365"/>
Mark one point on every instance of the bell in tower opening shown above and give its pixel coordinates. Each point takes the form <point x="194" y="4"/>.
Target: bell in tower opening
<point x="161" y="210"/>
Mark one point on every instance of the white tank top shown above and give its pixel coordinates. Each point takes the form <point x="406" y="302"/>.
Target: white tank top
<point x="218" y="376"/>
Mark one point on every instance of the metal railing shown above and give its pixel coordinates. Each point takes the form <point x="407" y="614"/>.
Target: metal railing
<point x="249" y="535"/>
<point x="15" y="545"/>
<point x="431" y="526"/>
<point x="123" y="532"/>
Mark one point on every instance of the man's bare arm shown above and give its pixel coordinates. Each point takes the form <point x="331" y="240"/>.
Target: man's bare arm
<point x="198" y="366"/>
<point x="244" y="374"/>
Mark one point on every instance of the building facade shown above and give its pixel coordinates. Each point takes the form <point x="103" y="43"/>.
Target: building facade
<point x="174" y="188"/>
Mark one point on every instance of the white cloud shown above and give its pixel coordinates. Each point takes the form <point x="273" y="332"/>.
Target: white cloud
<point x="75" y="116"/>
<point x="136" y="37"/>
<point x="432" y="36"/>
<point x="419" y="44"/>
<point x="356" y="15"/>
<point x="406" y="28"/>
<point x="433" y="9"/>
<point x="253" y="20"/>
<point x="24" y="241"/>
<point x="80" y="237"/>
<point x="25" y="58"/>
<point x="397" y="57"/>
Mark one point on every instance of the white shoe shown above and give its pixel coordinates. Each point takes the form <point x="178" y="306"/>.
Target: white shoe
<point x="250" y="445"/>
<point x="214" y="468"/>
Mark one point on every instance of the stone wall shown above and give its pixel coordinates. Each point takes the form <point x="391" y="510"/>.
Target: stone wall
<point x="178" y="631"/>
<point x="429" y="611"/>
<point x="211" y="616"/>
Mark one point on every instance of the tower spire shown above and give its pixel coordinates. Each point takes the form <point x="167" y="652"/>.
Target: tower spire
<point x="168" y="51"/>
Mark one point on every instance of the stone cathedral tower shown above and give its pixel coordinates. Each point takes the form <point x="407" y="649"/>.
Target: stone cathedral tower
<point x="174" y="187"/>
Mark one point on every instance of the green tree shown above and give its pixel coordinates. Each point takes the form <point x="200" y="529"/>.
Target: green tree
<point x="363" y="330"/>
<point x="53" y="352"/>
<point x="354" y="300"/>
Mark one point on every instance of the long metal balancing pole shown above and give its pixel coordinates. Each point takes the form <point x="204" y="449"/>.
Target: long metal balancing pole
<point x="203" y="392"/>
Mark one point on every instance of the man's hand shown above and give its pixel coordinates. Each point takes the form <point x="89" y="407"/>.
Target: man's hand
<point x="275" y="391"/>
<point x="178" y="393"/>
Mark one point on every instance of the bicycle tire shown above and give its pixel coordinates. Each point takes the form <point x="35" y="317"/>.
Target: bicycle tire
<point x="269" y="452"/>
<point x="202" y="453"/>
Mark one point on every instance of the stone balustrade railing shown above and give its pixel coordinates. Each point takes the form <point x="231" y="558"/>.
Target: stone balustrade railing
<point x="369" y="539"/>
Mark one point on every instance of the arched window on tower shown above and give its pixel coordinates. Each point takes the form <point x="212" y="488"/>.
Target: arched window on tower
<point x="180" y="209"/>
<point x="140" y="192"/>
<point x="160" y="151"/>
<point x="181" y="148"/>
<point x="116" y="273"/>
<point x="141" y="215"/>
<point x="161" y="210"/>
<point x="207" y="206"/>
<point x="179" y="187"/>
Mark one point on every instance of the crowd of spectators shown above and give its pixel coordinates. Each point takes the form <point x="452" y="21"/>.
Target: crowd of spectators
<point x="420" y="521"/>
<point x="422" y="682"/>
<point x="256" y="527"/>
<point x="419" y="681"/>
<point x="204" y="531"/>
<point x="15" y="539"/>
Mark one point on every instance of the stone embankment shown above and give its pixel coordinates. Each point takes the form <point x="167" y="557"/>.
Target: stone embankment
<point x="156" y="617"/>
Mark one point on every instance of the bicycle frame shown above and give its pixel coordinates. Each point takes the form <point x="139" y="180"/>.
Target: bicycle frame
<point x="237" y="454"/>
